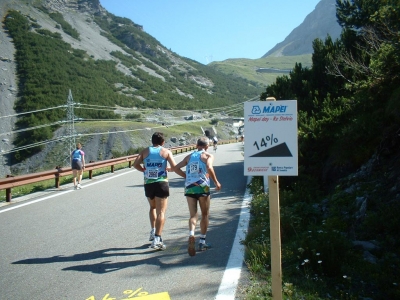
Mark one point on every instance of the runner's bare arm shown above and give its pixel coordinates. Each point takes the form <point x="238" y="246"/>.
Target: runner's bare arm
<point x="210" y="170"/>
<point x="171" y="161"/>
<point x="180" y="165"/>
<point x="139" y="160"/>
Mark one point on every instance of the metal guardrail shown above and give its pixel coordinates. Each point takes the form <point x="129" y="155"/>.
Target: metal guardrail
<point x="16" y="181"/>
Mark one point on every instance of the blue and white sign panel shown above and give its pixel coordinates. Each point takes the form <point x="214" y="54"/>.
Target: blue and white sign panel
<point x="270" y="146"/>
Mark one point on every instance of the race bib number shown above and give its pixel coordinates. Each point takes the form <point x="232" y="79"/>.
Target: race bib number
<point x="152" y="174"/>
<point x="194" y="167"/>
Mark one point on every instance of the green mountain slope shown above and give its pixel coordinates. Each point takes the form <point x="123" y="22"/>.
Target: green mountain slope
<point x="106" y="61"/>
<point x="264" y="71"/>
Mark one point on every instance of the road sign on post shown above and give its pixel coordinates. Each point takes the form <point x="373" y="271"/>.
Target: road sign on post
<point x="271" y="138"/>
<point x="271" y="150"/>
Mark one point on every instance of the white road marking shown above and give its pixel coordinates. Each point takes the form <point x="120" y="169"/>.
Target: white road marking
<point x="61" y="193"/>
<point x="230" y="279"/>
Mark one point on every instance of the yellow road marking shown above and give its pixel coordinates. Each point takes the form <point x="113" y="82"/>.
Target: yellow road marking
<point x="158" y="296"/>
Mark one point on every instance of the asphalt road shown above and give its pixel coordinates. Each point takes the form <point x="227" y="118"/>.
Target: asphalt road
<point x="93" y="243"/>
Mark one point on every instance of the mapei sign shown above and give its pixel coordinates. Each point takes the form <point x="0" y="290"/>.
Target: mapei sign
<point x="270" y="146"/>
<point x="269" y="109"/>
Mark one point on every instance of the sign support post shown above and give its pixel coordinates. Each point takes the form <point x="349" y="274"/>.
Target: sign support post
<point x="275" y="236"/>
<point x="265" y="179"/>
<point x="275" y="233"/>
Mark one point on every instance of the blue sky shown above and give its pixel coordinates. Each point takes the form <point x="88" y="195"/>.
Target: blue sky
<point x="215" y="30"/>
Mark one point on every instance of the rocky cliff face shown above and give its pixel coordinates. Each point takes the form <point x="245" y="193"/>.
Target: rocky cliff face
<point x="320" y="23"/>
<point x="76" y="12"/>
<point x="90" y="6"/>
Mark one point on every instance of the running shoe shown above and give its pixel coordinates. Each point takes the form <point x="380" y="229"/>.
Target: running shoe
<point x="161" y="246"/>
<point x="203" y="247"/>
<point x="192" y="246"/>
<point x="158" y="245"/>
<point x="75" y="187"/>
<point x="78" y="186"/>
<point x="151" y="238"/>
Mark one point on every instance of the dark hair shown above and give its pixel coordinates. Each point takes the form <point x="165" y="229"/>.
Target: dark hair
<point x="157" y="138"/>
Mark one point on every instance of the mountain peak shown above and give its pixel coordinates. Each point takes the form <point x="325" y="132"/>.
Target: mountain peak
<point x="318" y="24"/>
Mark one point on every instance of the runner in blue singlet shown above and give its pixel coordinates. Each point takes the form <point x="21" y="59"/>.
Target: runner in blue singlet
<point x="199" y="170"/>
<point x="152" y="161"/>
<point x="77" y="165"/>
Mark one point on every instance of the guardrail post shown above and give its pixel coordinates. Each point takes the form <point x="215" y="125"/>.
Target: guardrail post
<point x="112" y="169"/>
<point x="57" y="179"/>
<point x="8" y="191"/>
<point x="91" y="171"/>
<point x="8" y="195"/>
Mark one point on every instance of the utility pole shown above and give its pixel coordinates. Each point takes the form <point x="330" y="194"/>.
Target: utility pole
<point x="70" y="123"/>
<point x="67" y="144"/>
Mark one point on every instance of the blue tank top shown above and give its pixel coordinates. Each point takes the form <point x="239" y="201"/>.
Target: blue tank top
<point x="155" y="166"/>
<point x="77" y="154"/>
<point x="197" y="179"/>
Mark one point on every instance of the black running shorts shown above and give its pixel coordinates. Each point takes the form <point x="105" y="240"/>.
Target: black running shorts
<point x="76" y="165"/>
<point x="197" y="196"/>
<point x="157" y="189"/>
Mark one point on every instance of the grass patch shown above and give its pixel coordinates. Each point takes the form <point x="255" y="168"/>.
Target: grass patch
<point x="246" y="68"/>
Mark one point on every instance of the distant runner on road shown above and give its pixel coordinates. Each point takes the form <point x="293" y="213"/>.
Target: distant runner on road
<point x="215" y="142"/>
<point x="77" y="165"/>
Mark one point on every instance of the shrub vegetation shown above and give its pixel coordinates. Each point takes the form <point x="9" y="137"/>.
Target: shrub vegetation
<point x="339" y="221"/>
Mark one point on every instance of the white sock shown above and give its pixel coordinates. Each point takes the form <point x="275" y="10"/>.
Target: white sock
<point x="202" y="238"/>
<point x="191" y="232"/>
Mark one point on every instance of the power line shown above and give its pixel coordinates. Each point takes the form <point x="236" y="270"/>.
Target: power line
<point x="113" y="108"/>
<point x="71" y="118"/>
<point x="105" y="120"/>
<point x="37" y="144"/>
<point x="32" y="128"/>
<point x="217" y="109"/>
<point x="34" y="111"/>
<point x="63" y="138"/>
